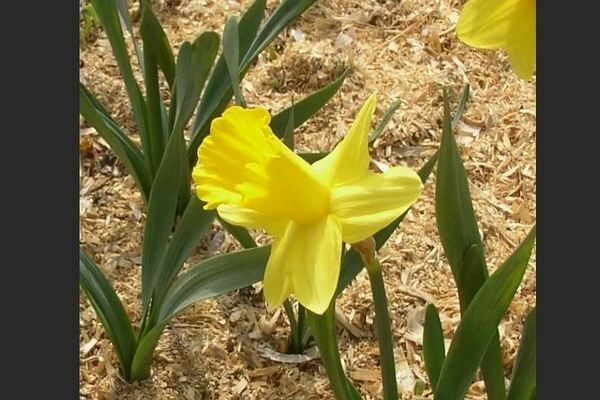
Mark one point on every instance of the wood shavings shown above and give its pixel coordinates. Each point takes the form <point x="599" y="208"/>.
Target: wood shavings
<point x="401" y="49"/>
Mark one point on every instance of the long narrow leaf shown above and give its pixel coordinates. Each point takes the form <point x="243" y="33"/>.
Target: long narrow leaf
<point x="313" y="157"/>
<point x="218" y="88"/>
<point x="231" y="52"/>
<point x="108" y="14"/>
<point x="156" y="135"/>
<point x="479" y="324"/>
<point x="124" y="14"/>
<point x="190" y="229"/>
<point x="194" y="62"/>
<point x="433" y="344"/>
<point x="157" y="43"/>
<point x="285" y="13"/>
<point x="462" y="104"/>
<point x="307" y="107"/>
<point x="460" y="238"/>
<point x="110" y="311"/>
<point x="288" y="134"/>
<point x="240" y="233"/>
<point x="142" y="360"/>
<point x="118" y="141"/>
<point x="215" y="276"/>
<point x="523" y="384"/>
<point x="161" y="214"/>
<point x="387" y="116"/>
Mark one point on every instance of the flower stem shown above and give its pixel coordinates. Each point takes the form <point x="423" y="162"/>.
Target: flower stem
<point x="294" y="331"/>
<point x="323" y="330"/>
<point x="384" y="331"/>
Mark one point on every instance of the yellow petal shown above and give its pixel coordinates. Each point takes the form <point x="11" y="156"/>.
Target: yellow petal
<point x="485" y="23"/>
<point x="249" y="218"/>
<point x="349" y="161"/>
<point x="305" y="260"/>
<point x="243" y="163"/>
<point x="285" y="187"/>
<point x="237" y="138"/>
<point x="276" y="285"/>
<point x="367" y="206"/>
<point x="521" y="42"/>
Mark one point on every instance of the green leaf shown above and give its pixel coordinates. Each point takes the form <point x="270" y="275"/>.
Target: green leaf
<point x="194" y="62"/>
<point x="313" y="157"/>
<point x="110" y="311"/>
<point x="124" y="14"/>
<point x="240" y="233"/>
<point x="109" y="18"/>
<point x="462" y="244"/>
<point x="288" y="134"/>
<point x="285" y="13"/>
<point x="231" y="52"/>
<point x="215" y="276"/>
<point x="323" y="330"/>
<point x="454" y="212"/>
<point x="142" y="360"/>
<point x="433" y="344"/>
<point x="156" y="42"/>
<point x="156" y="135"/>
<point x="218" y="88"/>
<point x="522" y="383"/>
<point x="190" y="229"/>
<point x="162" y="208"/>
<point x="352" y="263"/>
<point x="462" y="103"/>
<point x="387" y="116"/>
<point x="307" y="107"/>
<point x="120" y="144"/>
<point x="479" y="324"/>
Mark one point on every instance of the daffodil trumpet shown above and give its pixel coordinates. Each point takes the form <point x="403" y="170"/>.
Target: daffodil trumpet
<point x="507" y="24"/>
<point x="253" y="180"/>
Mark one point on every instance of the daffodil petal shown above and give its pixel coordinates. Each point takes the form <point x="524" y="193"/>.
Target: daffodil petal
<point x="237" y="138"/>
<point x="485" y="23"/>
<point x="367" y="206"/>
<point x="521" y="39"/>
<point x="246" y="217"/>
<point x="310" y="257"/>
<point x="349" y="161"/>
<point x="276" y="282"/>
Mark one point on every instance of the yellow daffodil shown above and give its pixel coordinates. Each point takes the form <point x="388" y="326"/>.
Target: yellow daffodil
<point x="507" y="24"/>
<point x="253" y="180"/>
